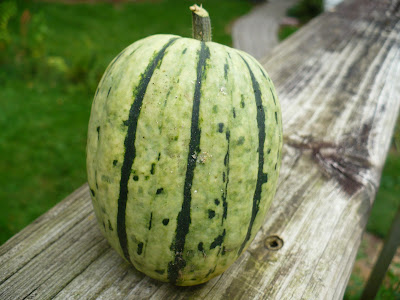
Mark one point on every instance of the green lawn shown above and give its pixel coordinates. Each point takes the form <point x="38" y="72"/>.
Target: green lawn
<point x="388" y="197"/>
<point x="49" y="70"/>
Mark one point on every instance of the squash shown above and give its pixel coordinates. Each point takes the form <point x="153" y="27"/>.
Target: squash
<point x="183" y="154"/>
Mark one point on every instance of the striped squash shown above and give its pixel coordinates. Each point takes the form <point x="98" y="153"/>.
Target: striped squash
<point x="183" y="155"/>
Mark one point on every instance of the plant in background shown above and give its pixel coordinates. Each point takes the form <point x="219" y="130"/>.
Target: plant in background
<point x="85" y="70"/>
<point x="31" y="50"/>
<point x="22" y="46"/>
<point x="7" y="11"/>
<point x="24" y="53"/>
<point x="305" y="10"/>
<point x="299" y="14"/>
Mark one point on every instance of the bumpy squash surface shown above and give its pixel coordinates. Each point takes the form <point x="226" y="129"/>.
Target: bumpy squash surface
<point x="183" y="155"/>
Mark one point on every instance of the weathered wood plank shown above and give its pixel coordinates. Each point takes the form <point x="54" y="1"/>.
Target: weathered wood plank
<point x="338" y="84"/>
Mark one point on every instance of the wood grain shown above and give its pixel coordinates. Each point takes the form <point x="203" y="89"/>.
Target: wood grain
<point x="339" y="87"/>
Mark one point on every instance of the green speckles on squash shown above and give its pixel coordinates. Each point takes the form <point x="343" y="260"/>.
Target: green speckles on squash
<point x="200" y="247"/>
<point x="215" y="109"/>
<point x="218" y="240"/>
<point x="242" y="104"/>
<point x="140" y="248"/>
<point x="153" y="167"/>
<point x="220" y="127"/>
<point x="226" y="68"/>
<point x="165" y="222"/>
<point x="211" y="213"/>
<point x="159" y="191"/>
<point x="150" y="221"/>
<point x="240" y="141"/>
<point x="105" y="178"/>
<point x="210" y="272"/>
<point x="223" y="252"/>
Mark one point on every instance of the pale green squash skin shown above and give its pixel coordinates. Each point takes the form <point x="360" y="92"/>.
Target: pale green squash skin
<point x="159" y="170"/>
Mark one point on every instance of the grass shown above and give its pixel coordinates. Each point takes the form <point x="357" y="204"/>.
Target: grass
<point x="390" y="290"/>
<point x="303" y="11"/>
<point x="51" y="59"/>
<point x="286" y="31"/>
<point x="387" y="199"/>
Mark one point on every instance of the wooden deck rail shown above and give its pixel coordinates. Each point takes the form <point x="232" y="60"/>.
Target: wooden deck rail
<point x="339" y="84"/>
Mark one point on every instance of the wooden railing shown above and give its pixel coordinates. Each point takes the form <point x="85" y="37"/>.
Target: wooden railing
<point x="338" y="80"/>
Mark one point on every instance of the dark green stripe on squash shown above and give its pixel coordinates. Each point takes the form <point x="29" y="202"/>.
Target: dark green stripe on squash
<point x="151" y="219"/>
<point x="225" y="191"/>
<point x="130" y="149"/>
<point x="273" y="96"/>
<point x="261" y="177"/>
<point x="184" y="218"/>
<point x="226" y="68"/>
<point x="174" y="231"/>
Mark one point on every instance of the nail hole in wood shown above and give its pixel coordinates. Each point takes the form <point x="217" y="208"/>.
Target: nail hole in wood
<point x="273" y="243"/>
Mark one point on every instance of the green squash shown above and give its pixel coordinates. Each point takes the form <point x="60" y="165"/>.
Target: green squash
<point x="183" y="154"/>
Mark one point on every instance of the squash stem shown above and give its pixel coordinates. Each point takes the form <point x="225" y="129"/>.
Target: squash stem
<point x="201" y="24"/>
